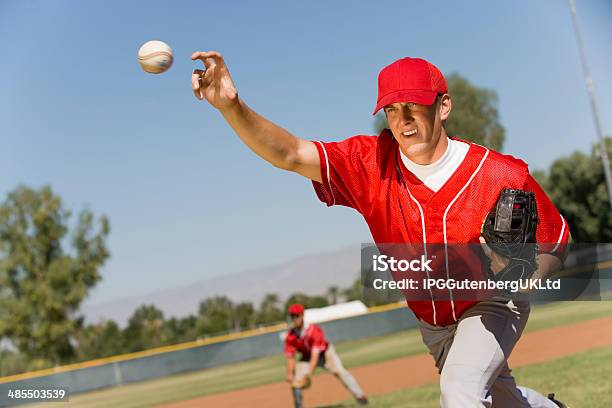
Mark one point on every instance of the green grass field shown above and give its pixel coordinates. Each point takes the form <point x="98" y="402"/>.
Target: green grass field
<point x="354" y="353"/>
<point x="579" y="380"/>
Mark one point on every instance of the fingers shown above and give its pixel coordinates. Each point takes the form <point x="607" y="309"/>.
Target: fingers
<point x="215" y="76"/>
<point x="498" y="262"/>
<point x="209" y="58"/>
<point x="195" y="83"/>
<point x="201" y="79"/>
<point x="483" y="243"/>
<point x="208" y="77"/>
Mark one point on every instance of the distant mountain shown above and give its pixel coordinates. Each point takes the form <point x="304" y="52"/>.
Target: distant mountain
<point x="310" y="274"/>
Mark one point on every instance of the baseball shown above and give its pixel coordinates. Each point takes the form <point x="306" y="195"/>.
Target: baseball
<point x="155" y="57"/>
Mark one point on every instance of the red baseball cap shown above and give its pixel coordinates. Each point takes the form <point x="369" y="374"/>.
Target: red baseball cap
<point x="296" y="309"/>
<point x="409" y="80"/>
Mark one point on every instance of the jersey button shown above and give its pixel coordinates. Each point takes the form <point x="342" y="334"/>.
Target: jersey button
<point x="433" y="209"/>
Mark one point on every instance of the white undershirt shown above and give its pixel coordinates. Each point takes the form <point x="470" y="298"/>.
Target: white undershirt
<point x="434" y="175"/>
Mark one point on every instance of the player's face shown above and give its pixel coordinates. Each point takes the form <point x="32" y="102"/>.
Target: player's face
<point x="418" y="128"/>
<point x="297" y="320"/>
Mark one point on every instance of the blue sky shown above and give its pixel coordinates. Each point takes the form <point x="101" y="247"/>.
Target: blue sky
<point x="185" y="198"/>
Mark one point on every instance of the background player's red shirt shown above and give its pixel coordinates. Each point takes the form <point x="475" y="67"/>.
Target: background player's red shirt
<point x="309" y="338"/>
<point x="365" y="173"/>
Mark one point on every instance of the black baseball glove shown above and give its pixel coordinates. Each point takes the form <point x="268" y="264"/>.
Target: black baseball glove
<point x="510" y="231"/>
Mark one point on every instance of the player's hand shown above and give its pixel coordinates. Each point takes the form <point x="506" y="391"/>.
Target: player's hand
<point x="290" y="378"/>
<point x="303" y="383"/>
<point x="498" y="262"/>
<point x="214" y="84"/>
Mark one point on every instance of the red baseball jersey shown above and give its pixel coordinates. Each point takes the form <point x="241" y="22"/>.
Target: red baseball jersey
<point x="366" y="173"/>
<point x="306" y="340"/>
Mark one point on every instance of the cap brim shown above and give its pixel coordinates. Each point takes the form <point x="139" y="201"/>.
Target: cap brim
<point x="420" y="96"/>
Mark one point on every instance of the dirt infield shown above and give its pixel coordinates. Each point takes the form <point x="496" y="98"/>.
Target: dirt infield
<point x="413" y="371"/>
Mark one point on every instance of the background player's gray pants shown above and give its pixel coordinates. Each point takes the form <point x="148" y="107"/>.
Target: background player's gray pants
<point x="471" y="356"/>
<point x="297" y="397"/>
<point x="332" y="363"/>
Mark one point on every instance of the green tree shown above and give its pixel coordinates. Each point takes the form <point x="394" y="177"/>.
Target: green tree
<point x="214" y="316"/>
<point x="474" y="116"/>
<point x="576" y="185"/>
<point x="46" y="270"/>
<point x="13" y="362"/>
<point x="370" y="297"/>
<point x="306" y="300"/>
<point x="100" y="340"/>
<point x="332" y="294"/>
<point x="353" y="292"/>
<point x="181" y="329"/>
<point x="146" y="329"/>
<point x="243" y="316"/>
<point x="269" y="310"/>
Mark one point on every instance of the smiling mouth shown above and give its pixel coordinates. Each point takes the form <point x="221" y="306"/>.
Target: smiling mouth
<point x="410" y="132"/>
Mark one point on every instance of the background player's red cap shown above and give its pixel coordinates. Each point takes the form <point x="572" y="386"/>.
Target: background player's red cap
<point x="409" y="80"/>
<point x="296" y="309"/>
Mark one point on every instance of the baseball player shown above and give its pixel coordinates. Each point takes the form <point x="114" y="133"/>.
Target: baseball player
<point x="415" y="184"/>
<point x="315" y="351"/>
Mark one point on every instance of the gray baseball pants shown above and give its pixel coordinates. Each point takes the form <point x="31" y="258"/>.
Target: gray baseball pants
<point x="472" y="354"/>
<point x="332" y="363"/>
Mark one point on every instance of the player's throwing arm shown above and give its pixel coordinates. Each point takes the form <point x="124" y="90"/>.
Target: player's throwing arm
<point x="269" y="141"/>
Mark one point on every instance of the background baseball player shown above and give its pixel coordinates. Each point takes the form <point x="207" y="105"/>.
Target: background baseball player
<point x="415" y="184"/>
<point x="315" y="351"/>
